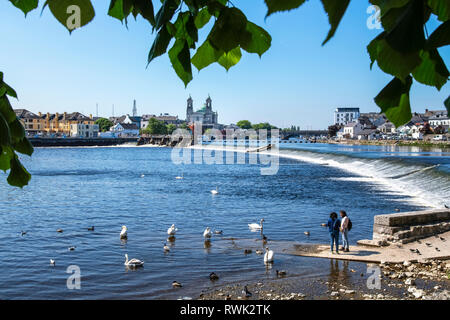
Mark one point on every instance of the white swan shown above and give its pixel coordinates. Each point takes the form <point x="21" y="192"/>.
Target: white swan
<point x="207" y="233"/>
<point x="124" y="233"/>
<point x="215" y="191"/>
<point x="133" y="263"/>
<point x="255" y="226"/>
<point x="180" y="177"/>
<point x="268" y="256"/>
<point x="172" y="230"/>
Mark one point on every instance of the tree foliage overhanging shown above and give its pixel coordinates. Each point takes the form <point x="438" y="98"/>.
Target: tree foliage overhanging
<point x="404" y="49"/>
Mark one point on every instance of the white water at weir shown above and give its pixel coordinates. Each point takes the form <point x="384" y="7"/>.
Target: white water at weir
<point x="419" y="184"/>
<point x="422" y="185"/>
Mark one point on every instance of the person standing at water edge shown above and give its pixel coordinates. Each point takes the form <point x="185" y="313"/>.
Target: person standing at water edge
<point x="344" y="231"/>
<point x="333" y="227"/>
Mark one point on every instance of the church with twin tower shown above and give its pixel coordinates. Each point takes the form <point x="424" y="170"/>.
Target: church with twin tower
<point x="205" y="115"/>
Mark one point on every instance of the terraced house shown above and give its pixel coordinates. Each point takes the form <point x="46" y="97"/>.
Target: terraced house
<point x="59" y="124"/>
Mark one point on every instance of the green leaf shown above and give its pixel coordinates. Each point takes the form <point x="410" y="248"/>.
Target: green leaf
<point x="206" y="54"/>
<point x="259" y="42"/>
<point x="166" y="12"/>
<point x="202" y="18"/>
<point x="186" y="29"/>
<point x="284" y="5"/>
<point x="160" y="44"/>
<point x="18" y="175"/>
<point x="72" y="14"/>
<point x="394" y="101"/>
<point x="432" y="71"/>
<point x="440" y="37"/>
<point x="5" y="134"/>
<point x="447" y="104"/>
<point x="229" y="30"/>
<point x="181" y="60"/>
<point x="227" y="60"/>
<point x="145" y="8"/>
<point x="5" y="158"/>
<point x="408" y="36"/>
<point x="441" y="8"/>
<point x="25" y="5"/>
<point x="116" y="10"/>
<point x="335" y="10"/>
<point x="24" y="146"/>
<point x="16" y="129"/>
<point x="391" y="61"/>
<point x="7" y="110"/>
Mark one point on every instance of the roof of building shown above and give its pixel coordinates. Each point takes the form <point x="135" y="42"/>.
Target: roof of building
<point x="25" y="114"/>
<point x="366" y="132"/>
<point x="347" y="109"/>
<point x="351" y="124"/>
<point x="129" y="126"/>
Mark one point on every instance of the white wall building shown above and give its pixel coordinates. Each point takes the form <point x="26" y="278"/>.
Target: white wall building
<point x="81" y="130"/>
<point x="439" y="121"/>
<point x="342" y="116"/>
<point x="353" y="129"/>
<point x="125" y="130"/>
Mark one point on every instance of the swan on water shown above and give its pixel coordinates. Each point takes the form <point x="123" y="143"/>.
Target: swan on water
<point x="207" y="233"/>
<point x="172" y="230"/>
<point x="133" y="263"/>
<point x="268" y="257"/>
<point x="124" y="232"/>
<point x="255" y="226"/>
<point x="180" y="177"/>
<point x="142" y="175"/>
<point x="166" y="247"/>
<point x="215" y="191"/>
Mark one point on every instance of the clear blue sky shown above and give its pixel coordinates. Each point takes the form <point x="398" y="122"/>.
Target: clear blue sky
<point x="297" y="82"/>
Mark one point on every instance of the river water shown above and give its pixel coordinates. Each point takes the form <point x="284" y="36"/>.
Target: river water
<point x="75" y="188"/>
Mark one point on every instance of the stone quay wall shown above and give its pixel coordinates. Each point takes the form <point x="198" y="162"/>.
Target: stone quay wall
<point x="406" y="227"/>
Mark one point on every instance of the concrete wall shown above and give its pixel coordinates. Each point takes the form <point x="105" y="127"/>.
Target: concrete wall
<point x="409" y="226"/>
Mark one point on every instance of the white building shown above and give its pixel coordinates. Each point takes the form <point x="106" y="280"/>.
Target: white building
<point x="342" y="116"/>
<point x="439" y="121"/>
<point x="125" y="130"/>
<point x="353" y="129"/>
<point x="81" y="130"/>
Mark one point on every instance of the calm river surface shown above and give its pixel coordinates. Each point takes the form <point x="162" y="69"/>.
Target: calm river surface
<point x="75" y="188"/>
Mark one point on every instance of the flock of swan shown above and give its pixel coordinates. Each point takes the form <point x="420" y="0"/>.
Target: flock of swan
<point x="207" y="234"/>
<point x="171" y="232"/>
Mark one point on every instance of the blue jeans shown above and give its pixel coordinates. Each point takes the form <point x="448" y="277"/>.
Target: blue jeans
<point x="345" y="239"/>
<point x="334" y="237"/>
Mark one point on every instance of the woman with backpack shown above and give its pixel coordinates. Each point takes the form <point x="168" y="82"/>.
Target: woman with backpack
<point x="333" y="227"/>
<point x="346" y="225"/>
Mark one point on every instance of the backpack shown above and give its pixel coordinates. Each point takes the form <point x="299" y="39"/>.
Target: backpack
<point x="336" y="225"/>
<point x="349" y="224"/>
